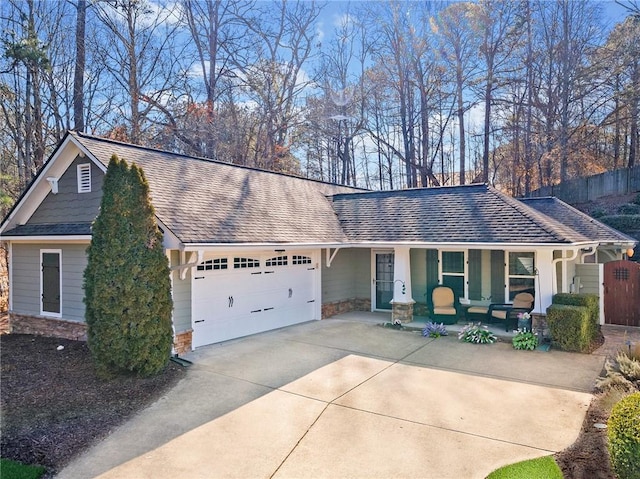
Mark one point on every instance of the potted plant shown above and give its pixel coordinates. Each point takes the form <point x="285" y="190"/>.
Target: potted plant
<point x="524" y="321"/>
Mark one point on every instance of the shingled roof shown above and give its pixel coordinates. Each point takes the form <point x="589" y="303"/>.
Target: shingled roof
<point x="474" y="213"/>
<point x="206" y="201"/>
<point x="576" y="219"/>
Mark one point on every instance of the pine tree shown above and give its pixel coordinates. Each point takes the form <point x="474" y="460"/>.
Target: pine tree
<point x="126" y="282"/>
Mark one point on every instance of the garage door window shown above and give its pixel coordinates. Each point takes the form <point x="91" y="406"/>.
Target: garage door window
<point x="245" y="263"/>
<point x="213" y="264"/>
<point x="301" y="259"/>
<point x="277" y="261"/>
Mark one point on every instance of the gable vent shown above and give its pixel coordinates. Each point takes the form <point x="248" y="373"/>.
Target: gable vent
<point x="84" y="178"/>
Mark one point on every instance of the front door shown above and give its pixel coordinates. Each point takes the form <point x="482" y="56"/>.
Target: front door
<point x="50" y="282"/>
<point x="382" y="280"/>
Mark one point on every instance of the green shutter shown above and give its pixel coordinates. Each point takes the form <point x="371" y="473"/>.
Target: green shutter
<point x="475" y="274"/>
<point x="432" y="272"/>
<point x="497" y="276"/>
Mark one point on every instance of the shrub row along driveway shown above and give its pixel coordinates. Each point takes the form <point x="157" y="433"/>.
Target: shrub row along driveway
<point x="340" y="398"/>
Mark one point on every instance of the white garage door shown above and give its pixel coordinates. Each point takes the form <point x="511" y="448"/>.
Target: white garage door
<point x="234" y="296"/>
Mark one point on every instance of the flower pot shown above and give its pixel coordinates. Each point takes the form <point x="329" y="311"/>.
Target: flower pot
<point x="524" y="324"/>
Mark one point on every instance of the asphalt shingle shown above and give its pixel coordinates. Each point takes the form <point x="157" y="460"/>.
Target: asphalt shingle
<point x="205" y="201"/>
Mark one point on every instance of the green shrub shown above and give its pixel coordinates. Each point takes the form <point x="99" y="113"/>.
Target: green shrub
<point x="599" y="213"/>
<point x="636" y="201"/>
<point x="622" y="223"/>
<point x="126" y="281"/>
<point x="629" y="209"/>
<point x="476" y="334"/>
<point x="589" y="301"/>
<point x="570" y="327"/>
<point x="623" y="430"/>
<point x="525" y="340"/>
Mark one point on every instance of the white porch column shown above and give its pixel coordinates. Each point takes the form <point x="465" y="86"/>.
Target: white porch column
<point x="402" y="302"/>
<point x="545" y="281"/>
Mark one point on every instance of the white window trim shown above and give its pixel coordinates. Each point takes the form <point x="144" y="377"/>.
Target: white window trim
<point x="519" y="276"/>
<point x="464" y="275"/>
<point x="42" y="311"/>
<point x="84" y="169"/>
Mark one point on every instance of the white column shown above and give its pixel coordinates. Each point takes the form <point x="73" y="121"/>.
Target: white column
<point x="402" y="275"/>
<point x="544" y="281"/>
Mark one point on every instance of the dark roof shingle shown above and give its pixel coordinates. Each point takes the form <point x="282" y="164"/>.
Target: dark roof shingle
<point x="457" y="214"/>
<point x="205" y="201"/>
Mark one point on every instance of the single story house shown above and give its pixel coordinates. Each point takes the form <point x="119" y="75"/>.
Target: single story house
<point x="252" y="250"/>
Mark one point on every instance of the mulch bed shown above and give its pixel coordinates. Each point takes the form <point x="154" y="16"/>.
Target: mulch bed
<point x="53" y="404"/>
<point x="588" y="458"/>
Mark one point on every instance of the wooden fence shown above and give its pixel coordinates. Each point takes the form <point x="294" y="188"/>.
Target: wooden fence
<point x="581" y="190"/>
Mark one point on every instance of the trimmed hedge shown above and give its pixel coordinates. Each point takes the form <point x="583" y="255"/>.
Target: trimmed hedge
<point x="589" y="301"/>
<point x="572" y="328"/>
<point x="623" y="431"/>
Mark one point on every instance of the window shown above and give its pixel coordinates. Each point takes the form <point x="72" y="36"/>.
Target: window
<point x="522" y="273"/>
<point x="301" y="259"/>
<point x="453" y="271"/>
<point x="277" y="261"/>
<point x="84" y="178"/>
<point x="213" y="264"/>
<point x="245" y="263"/>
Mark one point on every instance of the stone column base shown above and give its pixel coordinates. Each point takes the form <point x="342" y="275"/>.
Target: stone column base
<point x="402" y="312"/>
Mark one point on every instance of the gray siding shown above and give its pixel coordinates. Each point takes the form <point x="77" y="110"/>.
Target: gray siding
<point x="181" y="297"/>
<point x="348" y="277"/>
<point x="419" y="275"/>
<point x="25" y="263"/>
<point x="69" y="206"/>
<point x="589" y="277"/>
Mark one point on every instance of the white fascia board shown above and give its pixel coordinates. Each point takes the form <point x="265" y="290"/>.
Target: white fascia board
<point x="55" y="167"/>
<point x="258" y="246"/>
<point x="47" y="239"/>
<point x="387" y="245"/>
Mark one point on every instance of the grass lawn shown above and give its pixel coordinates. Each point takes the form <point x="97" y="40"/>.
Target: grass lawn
<point x="539" y="468"/>
<point x="17" y="470"/>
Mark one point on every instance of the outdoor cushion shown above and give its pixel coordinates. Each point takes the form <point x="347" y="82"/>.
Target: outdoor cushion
<point x="447" y="310"/>
<point x="478" y="310"/>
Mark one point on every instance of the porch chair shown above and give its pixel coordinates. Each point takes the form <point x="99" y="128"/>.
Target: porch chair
<point x="508" y="312"/>
<point x="444" y="308"/>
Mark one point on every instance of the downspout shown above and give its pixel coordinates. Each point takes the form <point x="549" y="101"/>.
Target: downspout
<point x="591" y="251"/>
<point x="554" y="270"/>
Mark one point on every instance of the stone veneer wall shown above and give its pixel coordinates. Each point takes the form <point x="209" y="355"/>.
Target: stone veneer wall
<point x="61" y="328"/>
<point x="345" y="306"/>
<point x="51" y="327"/>
<point x="182" y="342"/>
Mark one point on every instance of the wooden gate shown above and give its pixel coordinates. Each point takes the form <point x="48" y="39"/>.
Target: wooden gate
<point x="622" y="293"/>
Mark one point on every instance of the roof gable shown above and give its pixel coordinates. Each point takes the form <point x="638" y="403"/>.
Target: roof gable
<point x="205" y="201"/>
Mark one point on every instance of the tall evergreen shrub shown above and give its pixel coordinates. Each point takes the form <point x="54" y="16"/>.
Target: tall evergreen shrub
<point x="126" y="282"/>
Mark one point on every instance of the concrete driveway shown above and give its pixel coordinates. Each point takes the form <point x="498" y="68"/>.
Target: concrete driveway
<point x="346" y="398"/>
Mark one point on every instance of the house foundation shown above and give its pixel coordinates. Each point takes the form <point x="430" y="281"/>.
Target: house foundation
<point x="345" y="306"/>
<point x="41" y="326"/>
<point x="182" y="342"/>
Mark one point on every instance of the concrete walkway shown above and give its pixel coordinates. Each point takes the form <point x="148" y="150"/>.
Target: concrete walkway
<point x="347" y="398"/>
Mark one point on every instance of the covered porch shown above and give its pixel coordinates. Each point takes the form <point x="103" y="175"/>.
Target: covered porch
<point x="404" y="278"/>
